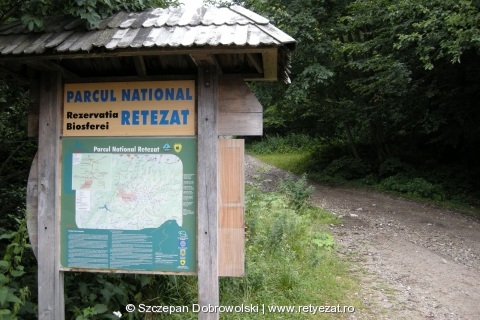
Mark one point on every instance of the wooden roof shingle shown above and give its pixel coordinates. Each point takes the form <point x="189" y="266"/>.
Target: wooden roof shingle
<point x="186" y="27"/>
<point x="171" y="29"/>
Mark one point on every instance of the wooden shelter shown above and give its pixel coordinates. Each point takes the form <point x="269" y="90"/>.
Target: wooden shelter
<point x="158" y="42"/>
<point x="219" y="48"/>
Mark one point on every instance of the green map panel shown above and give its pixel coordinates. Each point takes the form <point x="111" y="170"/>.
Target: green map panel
<point x="129" y="204"/>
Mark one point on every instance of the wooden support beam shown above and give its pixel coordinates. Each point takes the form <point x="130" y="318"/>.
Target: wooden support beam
<point x="207" y="217"/>
<point x="140" y="66"/>
<point x="50" y="279"/>
<point x="202" y="58"/>
<point x="256" y="61"/>
<point x="270" y="61"/>
<point x="33" y="110"/>
<point x="47" y="65"/>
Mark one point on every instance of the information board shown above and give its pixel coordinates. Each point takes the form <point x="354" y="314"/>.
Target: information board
<point x="129" y="204"/>
<point x="141" y="108"/>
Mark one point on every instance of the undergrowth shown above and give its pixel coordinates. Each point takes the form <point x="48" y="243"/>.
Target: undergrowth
<point x="290" y="261"/>
<point x="446" y="185"/>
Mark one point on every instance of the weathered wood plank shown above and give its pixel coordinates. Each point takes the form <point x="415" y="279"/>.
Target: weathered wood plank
<point x="256" y="61"/>
<point x="33" y="109"/>
<point x="249" y="14"/>
<point x="240" y="112"/>
<point x="234" y="95"/>
<point x="270" y="60"/>
<point x="240" y="124"/>
<point x="128" y="38"/>
<point x="207" y="217"/>
<point x="140" y="66"/>
<point x="50" y="279"/>
<point x="51" y="66"/>
<point x="32" y="205"/>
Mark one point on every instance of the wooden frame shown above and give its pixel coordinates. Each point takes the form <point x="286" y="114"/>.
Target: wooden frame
<point x="207" y="216"/>
<point x="50" y="278"/>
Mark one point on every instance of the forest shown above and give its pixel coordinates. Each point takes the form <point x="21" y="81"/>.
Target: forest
<point x="390" y="89"/>
<point x="385" y="92"/>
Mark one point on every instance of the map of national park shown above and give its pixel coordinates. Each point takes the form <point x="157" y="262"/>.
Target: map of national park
<point x="127" y="191"/>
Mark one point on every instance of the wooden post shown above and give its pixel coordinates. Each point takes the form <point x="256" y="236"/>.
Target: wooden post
<point x="207" y="218"/>
<point x="50" y="279"/>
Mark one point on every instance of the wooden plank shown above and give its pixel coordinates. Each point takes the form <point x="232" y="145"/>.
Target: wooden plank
<point x="207" y="216"/>
<point x="240" y="124"/>
<point x="231" y="224"/>
<point x="270" y="61"/>
<point x="256" y="61"/>
<point x="231" y="217"/>
<point x="240" y="112"/>
<point x="140" y="66"/>
<point x="51" y="66"/>
<point x="231" y="172"/>
<point x="32" y="205"/>
<point x="33" y="110"/>
<point x="250" y="14"/>
<point x="234" y="95"/>
<point x="128" y="52"/>
<point x="50" y="279"/>
<point x="232" y="252"/>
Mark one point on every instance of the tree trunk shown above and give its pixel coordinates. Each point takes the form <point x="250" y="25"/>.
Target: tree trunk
<point x="351" y="141"/>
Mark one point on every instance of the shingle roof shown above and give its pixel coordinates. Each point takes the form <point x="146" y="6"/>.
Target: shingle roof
<point x="154" y="42"/>
<point x="171" y="27"/>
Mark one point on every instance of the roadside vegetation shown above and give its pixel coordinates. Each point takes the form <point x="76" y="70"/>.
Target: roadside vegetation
<point x="330" y="163"/>
<point x="383" y="94"/>
<point x="290" y="261"/>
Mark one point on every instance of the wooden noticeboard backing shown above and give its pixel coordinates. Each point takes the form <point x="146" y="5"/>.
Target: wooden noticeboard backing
<point x="231" y="220"/>
<point x="220" y="217"/>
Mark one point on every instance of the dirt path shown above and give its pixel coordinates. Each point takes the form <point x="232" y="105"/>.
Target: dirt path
<point x="417" y="261"/>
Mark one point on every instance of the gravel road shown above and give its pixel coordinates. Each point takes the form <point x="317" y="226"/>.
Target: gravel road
<point x="415" y="261"/>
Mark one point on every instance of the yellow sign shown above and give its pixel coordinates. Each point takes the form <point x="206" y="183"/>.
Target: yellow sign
<point x="153" y="108"/>
<point x="177" y="147"/>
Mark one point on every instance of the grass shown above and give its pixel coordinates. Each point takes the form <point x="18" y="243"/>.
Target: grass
<point x="297" y="163"/>
<point x="292" y="162"/>
<point x="290" y="261"/>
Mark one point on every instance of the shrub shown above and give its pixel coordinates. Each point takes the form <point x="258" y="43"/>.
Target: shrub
<point x="287" y="144"/>
<point x="17" y="271"/>
<point x="417" y="187"/>
<point x="346" y="168"/>
<point x="297" y="191"/>
<point x="393" y="166"/>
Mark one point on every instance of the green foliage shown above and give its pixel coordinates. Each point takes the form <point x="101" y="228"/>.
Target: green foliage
<point x="416" y="187"/>
<point x="386" y="78"/>
<point x="33" y="12"/>
<point x="16" y="154"/>
<point x="442" y="29"/>
<point x="17" y="301"/>
<point x="292" y="162"/>
<point x="347" y="168"/>
<point x="297" y="191"/>
<point x="452" y="184"/>
<point x="393" y="166"/>
<point x="289" y="259"/>
<point x="90" y="295"/>
<point x="283" y="144"/>
<point x="286" y="249"/>
<point x="323" y="240"/>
